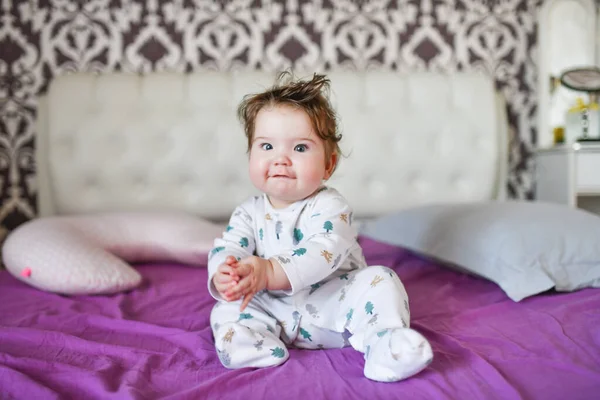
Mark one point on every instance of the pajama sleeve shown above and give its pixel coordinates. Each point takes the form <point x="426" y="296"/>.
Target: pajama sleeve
<point x="327" y="242"/>
<point x="237" y="241"/>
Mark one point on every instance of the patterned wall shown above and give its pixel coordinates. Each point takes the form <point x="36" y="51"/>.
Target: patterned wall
<point x="40" y="39"/>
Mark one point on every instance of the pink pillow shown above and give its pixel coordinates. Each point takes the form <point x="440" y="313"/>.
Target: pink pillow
<point x="89" y="254"/>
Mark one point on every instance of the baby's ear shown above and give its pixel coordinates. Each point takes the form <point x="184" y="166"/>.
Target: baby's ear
<point x="330" y="165"/>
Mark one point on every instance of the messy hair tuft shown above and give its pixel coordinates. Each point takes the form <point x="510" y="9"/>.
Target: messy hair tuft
<point x="310" y="95"/>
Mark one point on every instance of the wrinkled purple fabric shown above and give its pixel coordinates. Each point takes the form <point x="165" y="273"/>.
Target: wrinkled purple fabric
<point x="155" y="342"/>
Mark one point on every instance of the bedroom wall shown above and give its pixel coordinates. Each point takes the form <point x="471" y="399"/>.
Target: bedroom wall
<point x="40" y="39"/>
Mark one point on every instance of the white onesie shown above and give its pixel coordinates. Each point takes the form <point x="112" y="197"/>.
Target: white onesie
<point x="335" y="299"/>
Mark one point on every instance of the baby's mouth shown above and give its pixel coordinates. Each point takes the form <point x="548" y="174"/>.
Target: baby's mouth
<point x="281" y="176"/>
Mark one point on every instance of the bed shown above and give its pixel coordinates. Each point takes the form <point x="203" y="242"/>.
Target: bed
<point x="122" y="147"/>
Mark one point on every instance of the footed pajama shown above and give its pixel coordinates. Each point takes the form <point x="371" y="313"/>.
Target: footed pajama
<point x="366" y="308"/>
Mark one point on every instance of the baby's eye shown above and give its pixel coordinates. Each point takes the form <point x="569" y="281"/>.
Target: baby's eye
<point x="301" y="148"/>
<point x="266" y="146"/>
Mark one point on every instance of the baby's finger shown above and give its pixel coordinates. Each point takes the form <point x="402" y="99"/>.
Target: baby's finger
<point x="241" y="287"/>
<point x="226" y="269"/>
<point x="244" y="269"/>
<point x="230" y="298"/>
<point x="247" y="299"/>
<point x="230" y="260"/>
<point x="222" y="278"/>
<point x="236" y="290"/>
<point x="220" y="286"/>
<point x="225" y="280"/>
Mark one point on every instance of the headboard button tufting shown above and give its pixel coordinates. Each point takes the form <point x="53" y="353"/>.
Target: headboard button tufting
<point x="126" y="138"/>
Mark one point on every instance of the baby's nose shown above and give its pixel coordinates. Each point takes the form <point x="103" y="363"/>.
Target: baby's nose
<point x="282" y="159"/>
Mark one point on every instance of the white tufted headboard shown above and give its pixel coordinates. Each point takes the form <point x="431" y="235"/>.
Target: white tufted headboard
<point x="167" y="141"/>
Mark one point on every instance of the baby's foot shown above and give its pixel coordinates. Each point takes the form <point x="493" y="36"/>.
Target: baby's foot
<point x="397" y="354"/>
<point x="240" y="347"/>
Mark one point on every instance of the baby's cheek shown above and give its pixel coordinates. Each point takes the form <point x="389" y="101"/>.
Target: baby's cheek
<point x="256" y="174"/>
<point x="314" y="175"/>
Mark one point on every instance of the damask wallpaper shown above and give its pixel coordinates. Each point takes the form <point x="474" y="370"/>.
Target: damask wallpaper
<point x="40" y="39"/>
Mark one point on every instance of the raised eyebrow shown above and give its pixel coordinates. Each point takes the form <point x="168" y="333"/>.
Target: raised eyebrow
<point x="307" y="140"/>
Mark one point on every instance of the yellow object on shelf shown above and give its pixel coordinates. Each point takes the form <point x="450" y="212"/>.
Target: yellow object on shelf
<point x="559" y="134"/>
<point x="581" y="106"/>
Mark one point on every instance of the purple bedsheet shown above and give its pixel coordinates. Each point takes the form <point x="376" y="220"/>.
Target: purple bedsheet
<point x="155" y="342"/>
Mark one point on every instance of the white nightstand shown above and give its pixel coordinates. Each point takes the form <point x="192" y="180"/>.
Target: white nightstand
<point x="569" y="174"/>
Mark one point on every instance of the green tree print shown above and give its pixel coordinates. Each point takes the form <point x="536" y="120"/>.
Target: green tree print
<point x="299" y="252"/>
<point x="216" y="250"/>
<point x="344" y="276"/>
<point x="305" y="335"/>
<point x="229" y="227"/>
<point x="278" y="352"/>
<point x="369" y="307"/>
<point x="381" y="333"/>
<point x="260" y="234"/>
<point x="244" y="242"/>
<point x="328" y="226"/>
<point x="349" y="315"/>
<point x="298" y="235"/>
<point x="314" y="287"/>
<point x="245" y="316"/>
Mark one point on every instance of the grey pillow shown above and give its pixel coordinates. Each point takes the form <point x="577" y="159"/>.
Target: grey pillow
<point x="524" y="247"/>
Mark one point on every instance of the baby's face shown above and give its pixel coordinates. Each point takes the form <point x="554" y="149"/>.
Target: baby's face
<point x="287" y="159"/>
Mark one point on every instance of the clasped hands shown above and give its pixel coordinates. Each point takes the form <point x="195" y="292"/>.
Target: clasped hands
<point x="242" y="279"/>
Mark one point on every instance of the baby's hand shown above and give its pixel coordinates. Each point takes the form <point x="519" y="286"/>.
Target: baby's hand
<point x="253" y="272"/>
<point x="226" y="277"/>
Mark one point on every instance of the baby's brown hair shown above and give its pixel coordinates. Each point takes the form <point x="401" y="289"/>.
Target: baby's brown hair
<point x="311" y="96"/>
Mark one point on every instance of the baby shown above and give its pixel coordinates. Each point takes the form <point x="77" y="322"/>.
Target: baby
<point x="288" y="270"/>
